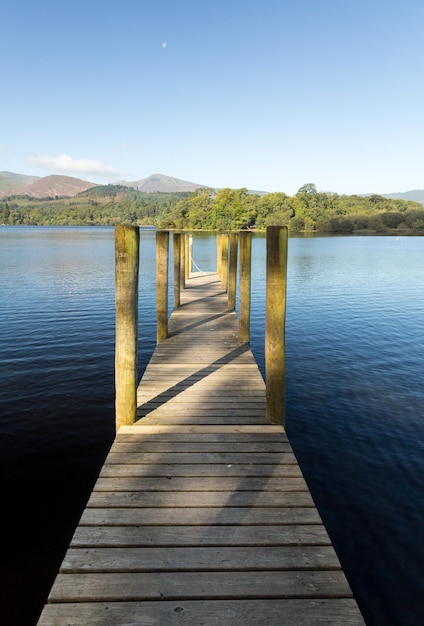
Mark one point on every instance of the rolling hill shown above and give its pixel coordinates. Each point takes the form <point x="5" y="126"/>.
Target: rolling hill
<point x="160" y="182"/>
<point x="416" y="194"/>
<point x="9" y="181"/>
<point x="54" y="186"/>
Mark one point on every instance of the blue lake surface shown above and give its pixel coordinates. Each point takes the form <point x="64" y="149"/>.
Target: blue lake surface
<point x="355" y="398"/>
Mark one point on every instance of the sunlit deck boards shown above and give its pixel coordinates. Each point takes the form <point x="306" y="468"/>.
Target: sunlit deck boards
<point x="201" y="514"/>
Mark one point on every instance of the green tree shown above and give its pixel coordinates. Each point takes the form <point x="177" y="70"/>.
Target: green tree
<point x="297" y="224"/>
<point x="233" y="210"/>
<point x="308" y="188"/>
<point x="415" y="219"/>
<point x="392" y="219"/>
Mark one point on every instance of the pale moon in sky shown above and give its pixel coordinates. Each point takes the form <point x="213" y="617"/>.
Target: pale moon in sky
<point x="164" y="45"/>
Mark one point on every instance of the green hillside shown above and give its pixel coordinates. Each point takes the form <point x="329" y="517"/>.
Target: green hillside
<point x="103" y="205"/>
<point x="9" y="181"/>
<point x="308" y="211"/>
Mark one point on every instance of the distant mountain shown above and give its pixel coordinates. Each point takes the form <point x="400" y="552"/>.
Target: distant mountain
<point x="160" y="182"/>
<point x="416" y="194"/>
<point x="53" y="186"/>
<point x="12" y="183"/>
<point x="9" y="181"/>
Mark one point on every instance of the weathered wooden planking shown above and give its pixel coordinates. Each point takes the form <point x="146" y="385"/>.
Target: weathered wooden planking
<point x="147" y="499"/>
<point x="194" y="536"/>
<point x="218" y="458"/>
<point x="133" y="586"/>
<point x="209" y="470"/>
<point x="269" y="612"/>
<point x="225" y="484"/>
<point x="200" y="559"/>
<point x="128" y="446"/>
<point x="241" y="431"/>
<point x="201" y="514"/>
<point x="194" y="399"/>
<point x="161" y="416"/>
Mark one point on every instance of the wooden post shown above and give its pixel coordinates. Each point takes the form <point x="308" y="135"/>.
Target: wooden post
<point x="245" y="284"/>
<point x="218" y="255"/>
<point x="190" y="254"/>
<point x="276" y="279"/>
<point x="187" y="256"/>
<point x="127" y="245"/>
<point x="232" y="280"/>
<point x="224" y="262"/>
<point x="177" y="269"/>
<point x="182" y="262"/>
<point x="162" y="252"/>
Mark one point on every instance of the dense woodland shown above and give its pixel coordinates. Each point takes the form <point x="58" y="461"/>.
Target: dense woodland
<point x="105" y="205"/>
<point x="225" y="209"/>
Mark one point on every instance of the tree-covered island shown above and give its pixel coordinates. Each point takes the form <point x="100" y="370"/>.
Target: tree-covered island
<point x="308" y="211"/>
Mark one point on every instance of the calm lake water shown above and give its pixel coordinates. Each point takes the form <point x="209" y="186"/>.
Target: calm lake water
<point x="355" y="399"/>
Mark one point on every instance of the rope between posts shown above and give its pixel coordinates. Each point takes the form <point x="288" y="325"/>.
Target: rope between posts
<point x="196" y="266"/>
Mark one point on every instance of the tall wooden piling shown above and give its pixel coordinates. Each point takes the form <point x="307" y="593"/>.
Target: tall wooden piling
<point x="245" y="284"/>
<point x="190" y="254"/>
<point x="218" y="254"/>
<point x="127" y="244"/>
<point x="177" y="269"/>
<point x="182" y="263"/>
<point x="187" y="255"/>
<point x="162" y="253"/>
<point x="232" y="276"/>
<point x="276" y="280"/>
<point x="224" y="262"/>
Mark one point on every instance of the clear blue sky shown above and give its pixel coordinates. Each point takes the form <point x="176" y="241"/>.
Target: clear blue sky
<point x="229" y="93"/>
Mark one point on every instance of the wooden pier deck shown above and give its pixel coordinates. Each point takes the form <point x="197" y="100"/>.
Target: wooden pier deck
<point x="201" y="515"/>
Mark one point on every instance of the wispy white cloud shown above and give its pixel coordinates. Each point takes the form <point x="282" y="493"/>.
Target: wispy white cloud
<point x="66" y="163"/>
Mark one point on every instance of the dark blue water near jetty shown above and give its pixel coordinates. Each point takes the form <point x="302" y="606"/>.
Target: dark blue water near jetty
<point x="355" y="397"/>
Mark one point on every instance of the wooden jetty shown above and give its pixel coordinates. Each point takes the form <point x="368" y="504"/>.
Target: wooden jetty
<point x="201" y="515"/>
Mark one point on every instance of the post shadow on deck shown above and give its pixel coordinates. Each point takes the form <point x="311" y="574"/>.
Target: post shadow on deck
<point x="126" y="279"/>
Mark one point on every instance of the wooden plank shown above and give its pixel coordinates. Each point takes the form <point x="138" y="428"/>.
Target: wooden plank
<point x="140" y="499"/>
<point x="200" y="516"/>
<point x="281" y="612"/>
<point x="189" y="585"/>
<point x="230" y="469"/>
<point x="196" y="407"/>
<point x="226" y="484"/>
<point x="195" y="397"/>
<point x="207" y="418"/>
<point x="201" y="439"/>
<point x="143" y="445"/>
<point x="174" y="458"/>
<point x="191" y="395"/>
<point x="203" y="378"/>
<point x="220" y="429"/>
<point x="145" y="536"/>
<point x="278" y="558"/>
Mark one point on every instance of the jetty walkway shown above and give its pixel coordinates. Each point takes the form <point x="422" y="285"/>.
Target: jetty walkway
<point x="201" y="515"/>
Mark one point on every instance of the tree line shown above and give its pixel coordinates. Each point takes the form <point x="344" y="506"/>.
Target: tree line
<point x="105" y="205"/>
<point x="307" y="211"/>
